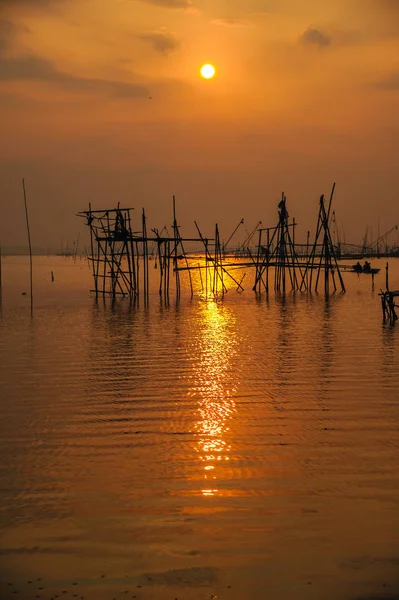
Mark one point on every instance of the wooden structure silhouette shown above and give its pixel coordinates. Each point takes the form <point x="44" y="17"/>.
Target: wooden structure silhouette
<point x="278" y="250"/>
<point x="323" y="257"/>
<point x="120" y="256"/>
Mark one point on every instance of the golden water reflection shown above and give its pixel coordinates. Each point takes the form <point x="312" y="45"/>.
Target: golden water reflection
<point x="215" y="388"/>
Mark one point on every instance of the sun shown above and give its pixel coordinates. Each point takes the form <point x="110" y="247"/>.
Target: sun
<point x="208" y="71"/>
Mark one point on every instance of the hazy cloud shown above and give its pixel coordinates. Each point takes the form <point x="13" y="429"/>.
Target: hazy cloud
<point x="231" y="22"/>
<point x="162" y="41"/>
<point x="391" y="83"/>
<point x="169" y="3"/>
<point x="380" y="17"/>
<point x="315" y="37"/>
<point x="6" y="31"/>
<point x="30" y="3"/>
<point x="15" y="101"/>
<point x="34" y="68"/>
<point x="392" y="6"/>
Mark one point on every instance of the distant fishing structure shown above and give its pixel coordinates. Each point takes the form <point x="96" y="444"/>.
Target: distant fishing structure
<point x="120" y="256"/>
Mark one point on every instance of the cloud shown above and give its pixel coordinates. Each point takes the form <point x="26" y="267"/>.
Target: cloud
<point x="9" y="6"/>
<point x="34" y="68"/>
<point x="391" y="6"/>
<point x="6" y="32"/>
<point x="391" y="83"/>
<point x="162" y="41"/>
<point x="315" y="37"/>
<point x="231" y="22"/>
<point x="30" y="3"/>
<point x="169" y="3"/>
<point x="379" y="18"/>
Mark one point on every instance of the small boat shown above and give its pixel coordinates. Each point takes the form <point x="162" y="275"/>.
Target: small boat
<point x="366" y="268"/>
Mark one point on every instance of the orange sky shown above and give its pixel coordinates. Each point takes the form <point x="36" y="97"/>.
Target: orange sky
<point x="101" y="101"/>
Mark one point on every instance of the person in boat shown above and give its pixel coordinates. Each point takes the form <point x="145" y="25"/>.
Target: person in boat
<point x="366" y="267"/>
<point x="358" y="267"/>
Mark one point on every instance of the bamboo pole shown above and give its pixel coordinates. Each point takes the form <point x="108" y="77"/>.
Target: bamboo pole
<point x="202" y="283"/>
<point x="145" y="258"/>
<point x="215" y="269"/>
<point x="90" y="220"/>
<point x="267" y="264"/>
<point x="176" y="243"/>
<point x="257" y="267"/>
<point x="206" y="269"/>
<point x="128" y="258"/>
<point x="1" y="275"/>
<point x="387" y="277"/>
<point x="30" y="248"/>
<point x="167" y="268"/>
<point x="132" y="264"/>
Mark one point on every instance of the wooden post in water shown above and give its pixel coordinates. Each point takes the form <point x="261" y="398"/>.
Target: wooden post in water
<point x="176" y="243"/>
<point x="387" y="277"/>
<point x="307" y="258"/>
<point x="257" y="267"/>
<point x="1" y="276"/>
<point x="202" y="283"/>
<point x="90" y="219"/>
<point x="145" y="258"/>
<point x="206" y="269"/>
<point x="30" y="248"/>
<point x="268" y="260"/>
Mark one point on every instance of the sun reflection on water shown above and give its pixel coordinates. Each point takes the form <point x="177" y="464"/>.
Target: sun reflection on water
<point x="215" y="388"/>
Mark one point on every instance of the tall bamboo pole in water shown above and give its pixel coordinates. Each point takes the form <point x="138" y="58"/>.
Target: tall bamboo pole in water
<point x="1" y="280"/>
<point x="30" y="248"/>
<point x="176" y="243"/>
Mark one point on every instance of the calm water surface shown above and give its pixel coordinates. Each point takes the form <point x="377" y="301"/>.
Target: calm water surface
<point x="244" y="449"/>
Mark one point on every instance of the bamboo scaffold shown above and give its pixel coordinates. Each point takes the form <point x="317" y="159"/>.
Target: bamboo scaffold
<point x="120" y="256"/>
<point x="113" y="252"/>
<point x="278" y="251"/>
<point x="323" y="257"/>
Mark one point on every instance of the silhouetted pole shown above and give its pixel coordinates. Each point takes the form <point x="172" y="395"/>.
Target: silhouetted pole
<point x="176" y="254"/>
<point x="267" y="264"/>
<point x="1" y="279"/>
<point x="230" y="238"/>
<point x="30" y="248"/>
<point x="93" y="266"/>
<point x="307" y="259"/>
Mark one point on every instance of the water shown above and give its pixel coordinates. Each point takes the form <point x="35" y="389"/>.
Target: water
<point x="244" y="449"/>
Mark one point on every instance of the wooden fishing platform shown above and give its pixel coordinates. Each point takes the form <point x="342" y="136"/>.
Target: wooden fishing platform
<point x="120" y="255"/>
